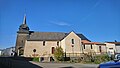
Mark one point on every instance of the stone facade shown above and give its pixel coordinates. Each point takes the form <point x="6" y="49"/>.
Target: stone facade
<point x="41" y="49"/>
<point x="71" y="43"/>
<point x="44" y="48"/>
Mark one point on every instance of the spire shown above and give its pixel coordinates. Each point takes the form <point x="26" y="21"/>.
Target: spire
<point x="23" y="27"/>
<point x="24" y="21"/>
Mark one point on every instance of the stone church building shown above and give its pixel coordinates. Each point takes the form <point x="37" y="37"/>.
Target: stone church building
<point x="42" y="44"/>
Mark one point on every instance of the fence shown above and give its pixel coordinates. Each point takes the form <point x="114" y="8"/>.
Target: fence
<point x="74" y="54"/>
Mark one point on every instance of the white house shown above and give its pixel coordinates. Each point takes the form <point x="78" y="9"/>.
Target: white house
<point x="0" y="52"/>
<point x="113" y="47"/>
<point x="8" y="51"/>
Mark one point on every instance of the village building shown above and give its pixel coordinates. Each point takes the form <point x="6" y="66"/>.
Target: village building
<point x="43" y="44"/>
<point x="113" y="47"/>
<point x="8" y="51"/>
<point x="96" y="47"/>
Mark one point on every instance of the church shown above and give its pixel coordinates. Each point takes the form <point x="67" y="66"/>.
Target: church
<point x="42" y="44"/>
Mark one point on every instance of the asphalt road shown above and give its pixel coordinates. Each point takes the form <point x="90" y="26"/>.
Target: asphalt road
<point x="11" y="62"/>
<point x="65" y="65"/>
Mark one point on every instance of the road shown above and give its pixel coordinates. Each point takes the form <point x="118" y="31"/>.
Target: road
<point x="12" y="62"/>
<point x="65" y="65"/>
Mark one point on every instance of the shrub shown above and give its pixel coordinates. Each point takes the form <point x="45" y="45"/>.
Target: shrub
<point x="36" y="59"/>
<point x="101" y="58"/>
<point x="59" y="54"/>
<point x="91" y="57"/>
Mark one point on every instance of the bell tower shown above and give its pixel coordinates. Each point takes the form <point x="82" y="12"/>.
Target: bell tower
<point x="22" y="36"/>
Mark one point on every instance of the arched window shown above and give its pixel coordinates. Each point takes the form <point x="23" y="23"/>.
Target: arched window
<point x="72" y="41"/>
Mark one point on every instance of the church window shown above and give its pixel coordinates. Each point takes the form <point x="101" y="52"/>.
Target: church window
<point x="43" y="43"/>
<point x="72" y="41"/>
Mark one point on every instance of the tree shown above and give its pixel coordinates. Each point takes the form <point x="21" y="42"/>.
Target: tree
<point x="59" y="54"/>
<point x="91" y="55"/>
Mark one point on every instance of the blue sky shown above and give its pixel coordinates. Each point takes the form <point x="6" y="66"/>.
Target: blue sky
<point x="98" y="20"/>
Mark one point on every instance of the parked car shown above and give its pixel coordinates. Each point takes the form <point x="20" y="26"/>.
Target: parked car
<point x="111" y="64"/>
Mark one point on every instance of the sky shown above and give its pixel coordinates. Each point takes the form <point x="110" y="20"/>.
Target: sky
<point x="98" y="20"/>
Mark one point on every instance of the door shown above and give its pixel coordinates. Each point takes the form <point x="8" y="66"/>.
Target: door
<point x="53" y="49"/>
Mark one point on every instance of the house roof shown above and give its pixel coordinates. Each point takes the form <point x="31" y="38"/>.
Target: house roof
<point x="54" y="36"/>
<point x="88" y="42"/>
<point x="83" y="37"/>
<point x="114" y="42"/>
<point x="51" y="36"/>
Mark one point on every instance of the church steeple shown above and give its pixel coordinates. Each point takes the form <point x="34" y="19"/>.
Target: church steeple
<point x="22" y="36"/>
<point x="23" y="27"/>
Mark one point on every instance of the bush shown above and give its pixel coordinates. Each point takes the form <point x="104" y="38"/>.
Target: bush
<point x="101" y="58"/>
<point x="59" y="54"/>
<point x="93" y="58"/>
<point x="89" y="57"/>
<point x="36" y="59"/>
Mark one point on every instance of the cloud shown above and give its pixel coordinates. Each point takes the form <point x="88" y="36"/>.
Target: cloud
<point x="60" y="23"/>
<point x="96" y="4"/>
<point x="91" y="10"/>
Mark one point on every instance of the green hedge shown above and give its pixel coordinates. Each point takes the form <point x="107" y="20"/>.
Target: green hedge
<point x="36" y="59"/>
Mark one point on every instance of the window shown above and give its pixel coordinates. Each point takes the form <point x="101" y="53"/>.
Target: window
<point x="110" y="48"/>
<point x="53" y="49"/>
<point x="34" y="50"/>
<point x="43" y="43"/>
<point x="91" y="46"/>
<point x="84" y="46"/>
<point x="72" y="41"/>
<point x="100" y="48"/>
<point x="57" y="43"/>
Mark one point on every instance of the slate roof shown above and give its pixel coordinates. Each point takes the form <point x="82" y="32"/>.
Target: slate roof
<point x="82" y="37"/>
<point x="51" y="36"/>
